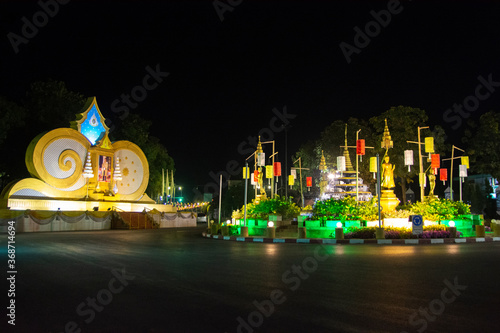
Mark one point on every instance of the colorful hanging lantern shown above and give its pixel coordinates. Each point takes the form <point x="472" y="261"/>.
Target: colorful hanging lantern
<point x="293" y="173"/>
<point x="340" y="163"/>
<point x="429" y="145"/>
<point x="409" y="158"/>
<point x="360" y="148"/>
<point x="269" y="171"/>
<point x="309" y="181"/>
<point x="443" y="175"/>
<point x="256" y="176"/>
<point x="277" y="169"/>
<point x="435" y="162"/>
<point x="462" y="170"/>
<point x="373" y="166"/>
<point x="246" y="172"/>
<point x="465" y="161"/>
<point x="291" y="180"/>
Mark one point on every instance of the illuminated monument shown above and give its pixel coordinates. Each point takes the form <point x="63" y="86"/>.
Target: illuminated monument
<point x="388" y="200"/>
<point x="79" y="168"/>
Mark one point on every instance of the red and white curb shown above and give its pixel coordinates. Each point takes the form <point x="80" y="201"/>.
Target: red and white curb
<point x="355" y="240"/>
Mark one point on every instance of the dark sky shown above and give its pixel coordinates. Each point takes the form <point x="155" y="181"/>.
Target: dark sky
<point x="226" y="77"/>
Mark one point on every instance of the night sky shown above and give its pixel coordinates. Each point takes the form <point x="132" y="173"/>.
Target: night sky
<point x="225" y="77"/>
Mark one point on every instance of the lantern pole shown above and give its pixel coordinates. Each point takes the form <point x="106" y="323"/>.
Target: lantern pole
<point x="460" y="184"/>
<point x="421" y="167"/>
<point x="246" y="189"/>
<point x="453" y="147"/>
<point x="220" y="196"/>
<point x="272" y="156"/>
<point x="357" y="173"/>
<point x="378" y="190"/>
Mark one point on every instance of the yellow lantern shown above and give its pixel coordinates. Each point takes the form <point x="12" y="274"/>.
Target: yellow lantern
<point x="429" y="145"/>
<point x="465" y="161"/>
<point x="269" y="171"/>
<point x="373" y="166"/>
<point x="246" y="172"/>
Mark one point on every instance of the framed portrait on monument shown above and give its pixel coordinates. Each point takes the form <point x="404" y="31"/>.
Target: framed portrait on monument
<point x="104" y="170"/>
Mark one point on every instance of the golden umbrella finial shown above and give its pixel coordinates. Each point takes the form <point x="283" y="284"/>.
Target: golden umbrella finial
<point x="386" y="138"/>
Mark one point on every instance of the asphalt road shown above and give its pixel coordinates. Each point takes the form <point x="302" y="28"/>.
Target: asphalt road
<point x="177" y="281"/>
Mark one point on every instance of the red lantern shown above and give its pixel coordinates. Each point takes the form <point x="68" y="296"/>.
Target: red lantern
<point x="309" y="181"/>
<point x="435" y="164"/>
<point x="277" y="169"/>
<point x="256" y="176"/>
<point x="360" y="147"/>
<point x="443" y="175"/>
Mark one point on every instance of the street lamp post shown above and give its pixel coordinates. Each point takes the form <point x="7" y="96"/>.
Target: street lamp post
<point x="272" y="156"/>
<point x="247" y="175"/>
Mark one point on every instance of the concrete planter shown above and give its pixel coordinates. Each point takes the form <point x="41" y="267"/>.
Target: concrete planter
<point x="301" y="219"/>
<point x="333" y="223"/>
<point x="275" y="218"/>
<point x="313" y="224"/>
<point x="396" y="222"/>
<point x="373" y="223"/>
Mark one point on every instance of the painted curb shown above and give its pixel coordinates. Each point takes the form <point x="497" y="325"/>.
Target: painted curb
<point x="355" y="240"/>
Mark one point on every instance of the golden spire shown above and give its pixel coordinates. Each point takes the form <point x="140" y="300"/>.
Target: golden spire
<point x="348" y="163"/>
<point x="386" y="138"/>
<point x="259" y="147"/>
<point x="322" y="163"/>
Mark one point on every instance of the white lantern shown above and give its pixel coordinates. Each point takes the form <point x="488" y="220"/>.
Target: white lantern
<point x="340" y="163"/>
<point x="261" y="159"/>
<point x="462" y="169"/>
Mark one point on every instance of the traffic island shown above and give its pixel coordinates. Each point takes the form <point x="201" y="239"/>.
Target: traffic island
<point x="372" y="241"/>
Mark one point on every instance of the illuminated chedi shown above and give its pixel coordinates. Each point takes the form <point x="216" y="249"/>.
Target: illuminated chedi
<point x="79" y="168"/>
<point x="340" y="183"/>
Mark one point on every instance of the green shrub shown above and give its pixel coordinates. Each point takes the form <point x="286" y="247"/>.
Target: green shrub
<point x="440" y="209"/>
<point x="345" y="209"/>
<point x="275" y="206"/>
